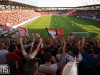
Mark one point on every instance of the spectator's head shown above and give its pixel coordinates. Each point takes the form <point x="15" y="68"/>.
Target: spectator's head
<point x="19" y="46"/>
<point x="1" y="46"/>
<point x="47" y="49"/>
<point x="96" y="50"/>
<point x="28" y="49"/>
<point x="13" y="65"/>
<point x="31" y="67"/>
<point x="75" y="50"/>
<point x="48" y="57"/>
<point x="12" y="48"/>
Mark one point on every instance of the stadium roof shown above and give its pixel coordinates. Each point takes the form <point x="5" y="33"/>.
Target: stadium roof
<point x="13" y="3"/>
<point x="67" y="3"/>
<point x="59" y="3"/>
<point x="31" y="3"/>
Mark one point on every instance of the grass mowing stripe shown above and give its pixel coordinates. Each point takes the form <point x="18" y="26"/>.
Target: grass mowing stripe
<point x="49" y="21"/>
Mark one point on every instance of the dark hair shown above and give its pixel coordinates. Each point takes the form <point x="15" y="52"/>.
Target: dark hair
<point x="47" y="49"/>
<point x="36" y="42"/>
<point x="19" y="46"/>
<point x="75" y="50"/>
<point x="96" y="50"/>
<point x="28" y="49"/>
<point x="12" y="65"/>
<point x="12" y="48"/>
<point x="30" y="67"/>
<point x="96" y="70"/>
<point x="48" y="57"/>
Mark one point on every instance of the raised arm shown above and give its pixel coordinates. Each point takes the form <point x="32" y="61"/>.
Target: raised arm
<point x="79" y="47"/>
<point x="32" y="55"/>
<point x="82" y="44"/>
<point x="38" y="47"/>
<point x="64" y="46"/>
<point x="21" y="43"/>
<point x="33" y="40"/>
<point x="98" y="42"/>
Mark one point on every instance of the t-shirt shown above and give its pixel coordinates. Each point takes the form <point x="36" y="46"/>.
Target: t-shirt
<point x="30" y="56"/>
<point x="19" y="53"/>
<point x="90" y="60"/>
<point x="70" y="58"/>
<point x="13" y="56"/>
<point x="49" y="69"/>
<point x="3" y="53"/>
<point x="62" y="62"/>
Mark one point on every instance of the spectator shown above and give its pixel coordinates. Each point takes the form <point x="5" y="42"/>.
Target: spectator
<point x="3" y="53"/>
<point x="75" y="53"/>
<point x="48" y="68"/>
<point x="89" y="60"/>
<point x="61" y="56"/>
<point x="31" y="67"/>
<point x="13" y="65"/>
<point x="96" y="70"/>
<point x="12" y="56"/>
<point x="27" y="53"/>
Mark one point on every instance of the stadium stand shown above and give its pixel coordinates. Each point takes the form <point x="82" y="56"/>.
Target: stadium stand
<point x="26" y="55"/>
<point x="90" y="14"/>
<point x="44" y="13"/>
<point x="17" y="16"/>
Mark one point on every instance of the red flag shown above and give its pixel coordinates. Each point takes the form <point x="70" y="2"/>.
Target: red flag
<point x="7" y="28"/>
<point x="37" y="34"/>
<point x="60" y="32"/>
<point x="23" y="31"/>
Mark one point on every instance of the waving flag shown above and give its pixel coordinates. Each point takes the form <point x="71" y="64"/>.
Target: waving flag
<point x="27" y="32"/>
<point x="70" y="68"/>
<point x="60" y="32"/>
<point x="23" y="31"/>
<point x="37" y="34"/>
<point x="52" y="32"/>
<point x="7" y="28"/>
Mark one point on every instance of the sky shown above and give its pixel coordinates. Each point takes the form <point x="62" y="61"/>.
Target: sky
<point x="59" y="3"/>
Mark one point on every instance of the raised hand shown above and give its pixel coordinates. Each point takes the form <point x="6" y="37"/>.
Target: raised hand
<point x="41" y="40"/>
<point x="83" y="39"/>
<point x="21" y="39"/>
<point x="33" y="34"/>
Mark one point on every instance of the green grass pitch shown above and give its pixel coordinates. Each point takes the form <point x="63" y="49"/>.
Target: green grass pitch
<point x="68" y="23"/>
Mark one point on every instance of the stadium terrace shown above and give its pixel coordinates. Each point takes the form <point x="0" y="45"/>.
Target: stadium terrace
<point x="49" y="40"/>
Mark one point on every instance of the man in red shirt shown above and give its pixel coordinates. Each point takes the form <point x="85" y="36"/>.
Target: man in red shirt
<point x="12" y="56"/>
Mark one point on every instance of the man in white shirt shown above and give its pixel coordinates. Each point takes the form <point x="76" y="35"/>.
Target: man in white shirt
<point x="3" y="53"/>
<point x="75" y="53"/>
<point x="78" y="58"/>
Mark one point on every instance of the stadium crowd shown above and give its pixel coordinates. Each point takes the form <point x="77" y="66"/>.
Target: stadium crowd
<point x="47" y="56"/>
<point x="16" y="16"/>
<point x="90" y="14"/>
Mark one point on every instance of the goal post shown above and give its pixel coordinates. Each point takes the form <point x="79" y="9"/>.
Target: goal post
<point x="81" y="34"/>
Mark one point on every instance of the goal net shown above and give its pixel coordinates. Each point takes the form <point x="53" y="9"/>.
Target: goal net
<point x="81" y="34"/>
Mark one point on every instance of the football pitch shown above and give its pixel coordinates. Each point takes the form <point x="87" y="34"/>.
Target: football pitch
<point x="79" y="26"/>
